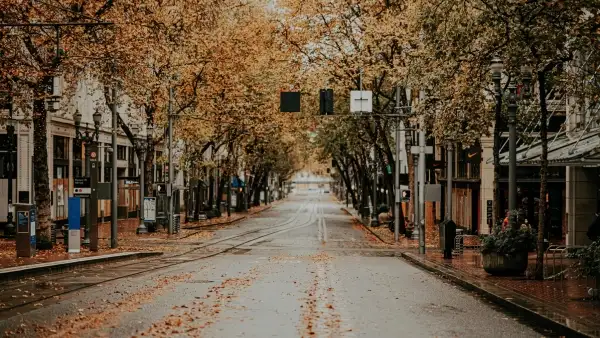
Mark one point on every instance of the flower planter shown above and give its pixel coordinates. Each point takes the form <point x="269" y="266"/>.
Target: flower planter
<point x="504" y="265"/>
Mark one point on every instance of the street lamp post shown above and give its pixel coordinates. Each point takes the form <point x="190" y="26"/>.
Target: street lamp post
<point x="513" y="96"/>
<point x="10" y="133"/>
<point x="86" y="138"/>
<point x="374" y="219"/>
<point x="141" y="146"/>
<point x="512" y="153"/>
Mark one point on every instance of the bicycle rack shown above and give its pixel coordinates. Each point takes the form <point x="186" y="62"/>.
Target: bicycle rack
<point x="459" y="247"/>
<point x="554" y="250"/>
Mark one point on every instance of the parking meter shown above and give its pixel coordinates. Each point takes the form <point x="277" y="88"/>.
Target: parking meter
<point x="26" y="220"/>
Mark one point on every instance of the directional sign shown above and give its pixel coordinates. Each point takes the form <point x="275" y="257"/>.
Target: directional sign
<point x="361" y="101"/>
<point x="82" y="187"/>
<point x="81" y="182"/>
<point x="421" y="150"/>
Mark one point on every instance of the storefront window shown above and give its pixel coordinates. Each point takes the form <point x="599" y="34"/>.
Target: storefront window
<point x="121" y="153"/>
<point x="77" y="150"/>
<point x="61" y="148"/>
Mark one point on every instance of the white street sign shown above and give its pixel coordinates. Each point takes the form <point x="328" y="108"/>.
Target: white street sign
<point x="361" y="101"/>
<point x="150" y="209"/>
<point x="421" y="150"/>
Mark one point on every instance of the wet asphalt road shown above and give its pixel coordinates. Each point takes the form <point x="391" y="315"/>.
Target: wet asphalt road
<point x="310" y="274"/>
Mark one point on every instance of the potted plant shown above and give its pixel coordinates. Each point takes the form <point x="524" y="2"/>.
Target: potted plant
<point x="590" y="265"/>
<point x="505" y="251"/>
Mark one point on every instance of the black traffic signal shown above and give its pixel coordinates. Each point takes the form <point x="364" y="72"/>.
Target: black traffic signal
<point x="326" y="101"/>
<point x="289" y="102"/>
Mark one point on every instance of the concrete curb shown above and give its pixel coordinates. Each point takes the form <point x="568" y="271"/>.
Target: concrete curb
<point x="365" y="226"/>
<point x="25" y="271"/>
<point x="230" y="221"/>
<point x="529" y="313"/>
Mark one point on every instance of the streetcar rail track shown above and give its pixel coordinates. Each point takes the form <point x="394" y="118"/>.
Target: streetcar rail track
<point x="172" y="260"/>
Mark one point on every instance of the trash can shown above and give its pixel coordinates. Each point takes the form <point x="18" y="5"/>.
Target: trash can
<point x="447" y="235"/>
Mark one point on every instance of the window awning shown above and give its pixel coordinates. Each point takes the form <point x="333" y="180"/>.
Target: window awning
<point x="577" y="149"/>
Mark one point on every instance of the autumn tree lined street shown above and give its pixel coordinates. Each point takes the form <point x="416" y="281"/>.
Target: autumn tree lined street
<point x="288" y="284"/>
<point x="299" y="168"/>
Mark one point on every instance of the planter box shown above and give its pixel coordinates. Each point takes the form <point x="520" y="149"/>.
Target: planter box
<point x="505" y="265"/>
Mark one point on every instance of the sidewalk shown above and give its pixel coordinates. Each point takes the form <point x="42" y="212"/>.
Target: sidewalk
<point x="562" y="305"/>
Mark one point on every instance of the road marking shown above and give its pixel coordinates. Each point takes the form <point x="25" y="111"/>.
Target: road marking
<point x="324" y="226"/>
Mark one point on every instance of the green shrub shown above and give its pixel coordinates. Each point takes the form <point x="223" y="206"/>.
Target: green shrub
<point x="590" y="259"/>
<point x="509" y="241"/>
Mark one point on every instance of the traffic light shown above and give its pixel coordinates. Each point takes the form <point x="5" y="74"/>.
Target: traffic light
<point x="289" y="102"/>
<point x="326" y="101"/>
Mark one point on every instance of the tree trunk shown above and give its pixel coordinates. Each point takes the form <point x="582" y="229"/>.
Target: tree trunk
<point x="539" y="267"/>
<point x="198" y="200"/>
<point x="41" y="179"/>
<point x="148" y="174"/>
<point x="211" y="189"/>
<point x="220" y="190"/>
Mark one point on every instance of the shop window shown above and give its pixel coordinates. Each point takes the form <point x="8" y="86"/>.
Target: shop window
<point x="131" y="156"/>
<point x="107" y="154"/>
<point x="77" y="171"/>
<point x="5" y="164"/>
<point x="121" y="153"/>
<point x="77" y="150"/>
<point x="61" y="171"/>
<point x="61" y="148"/>
<point x="159" y="173"/>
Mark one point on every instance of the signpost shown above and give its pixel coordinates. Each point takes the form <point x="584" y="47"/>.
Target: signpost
<point x="422" y="149"/>
<point x="149" y="209"/>
<point x="82" y="187"/>
<point x="93" y="216"/>
<point x="74" y="225"/>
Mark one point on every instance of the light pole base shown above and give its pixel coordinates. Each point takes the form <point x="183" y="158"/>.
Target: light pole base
<point x="374" y="221"/>
<point x="141" y="229"/>
<point x="415" y="234"/>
